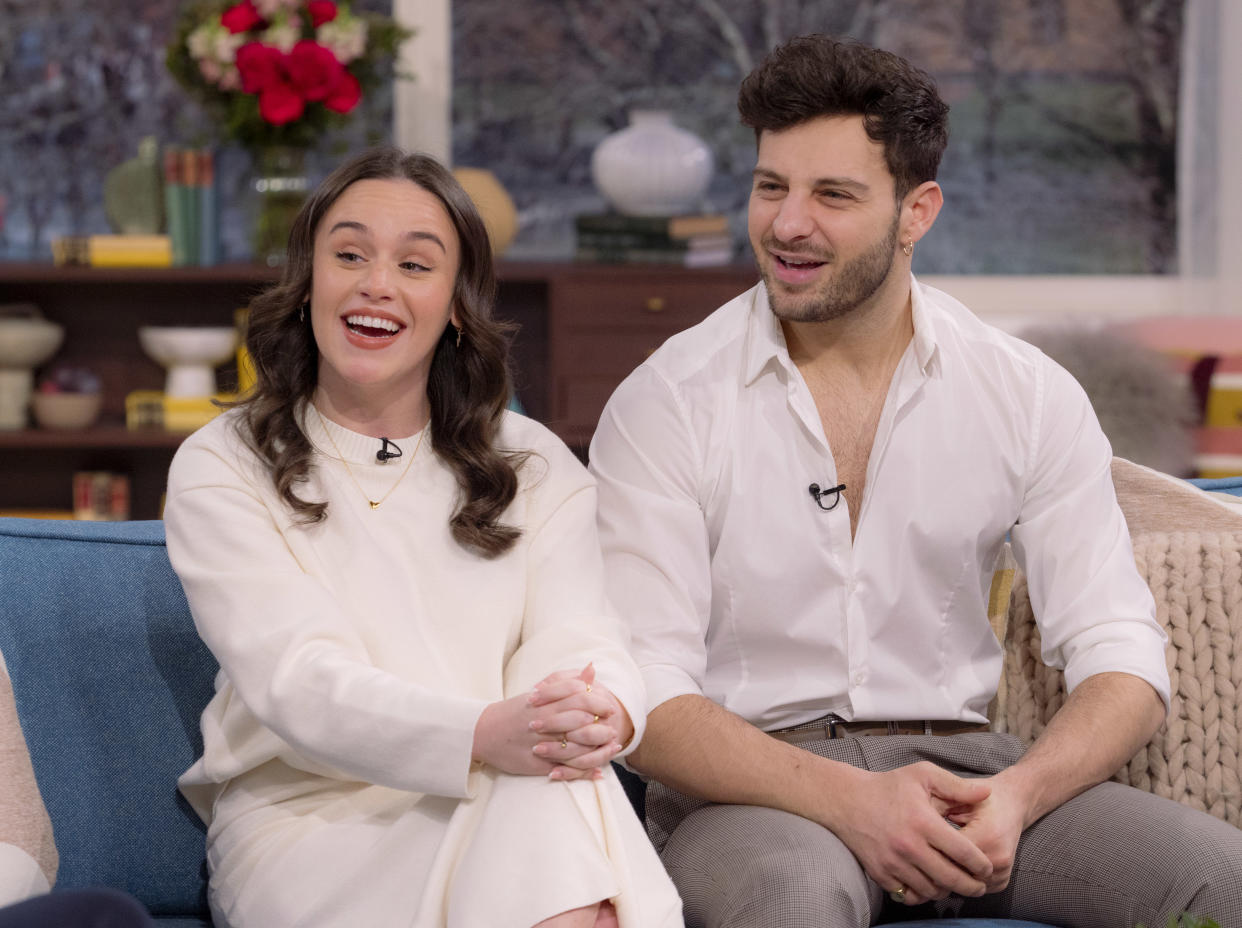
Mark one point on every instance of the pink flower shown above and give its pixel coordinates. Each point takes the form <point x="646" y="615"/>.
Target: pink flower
<point x="260" y="66"/>
<point x="211" y="70"/>
<point x="279" y="103"/>
<point x="321" y="11"/>
<point x="240" y="18"/>
<point x="313" y="70"/>
<point x="346" y="95"/>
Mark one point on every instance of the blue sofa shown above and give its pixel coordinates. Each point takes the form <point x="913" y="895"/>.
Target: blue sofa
<point x="110" y="678"/>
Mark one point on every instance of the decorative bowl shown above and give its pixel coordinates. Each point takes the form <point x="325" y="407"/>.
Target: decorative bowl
<point x="65" y="410"/>
<point x="190" y="353"/>
<point x="27" y="343"/>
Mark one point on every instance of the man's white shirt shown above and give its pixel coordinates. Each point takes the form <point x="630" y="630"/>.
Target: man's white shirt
<point x="738" y="586"/>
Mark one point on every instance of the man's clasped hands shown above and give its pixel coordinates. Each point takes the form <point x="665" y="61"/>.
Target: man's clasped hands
<point x="567" y="728"/>
<point x="922" y="830"/>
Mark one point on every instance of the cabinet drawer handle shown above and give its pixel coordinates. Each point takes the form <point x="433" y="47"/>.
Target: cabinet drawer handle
<point x="654" y="304"/>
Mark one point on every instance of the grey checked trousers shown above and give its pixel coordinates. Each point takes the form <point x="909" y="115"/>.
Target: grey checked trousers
<point x="1111" y="857"/>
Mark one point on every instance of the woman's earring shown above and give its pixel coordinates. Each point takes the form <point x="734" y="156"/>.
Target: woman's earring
<point x="459" y="336"/>
<point x="302" y="312"/>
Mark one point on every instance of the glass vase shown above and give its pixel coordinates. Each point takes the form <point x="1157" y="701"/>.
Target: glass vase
<point x="279" y="189"/>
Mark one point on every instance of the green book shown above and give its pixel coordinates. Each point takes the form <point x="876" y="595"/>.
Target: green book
<point x="176" y="208"/>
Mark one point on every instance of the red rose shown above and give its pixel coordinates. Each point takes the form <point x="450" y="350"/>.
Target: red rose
<point x="260" y="66"/>
<point x="240" y="18"/>
<point x="321" y="11"/>
<point x="346" y="95"/>
<point x="280" y="103"/>
<point x="313" y="70"/>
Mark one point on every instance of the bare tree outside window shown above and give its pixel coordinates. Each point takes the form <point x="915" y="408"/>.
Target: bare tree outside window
<point x="1063" y="119"/>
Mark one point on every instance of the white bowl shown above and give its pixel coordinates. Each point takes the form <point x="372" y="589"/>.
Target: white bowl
<point x="27" y="343"/>
<point x="65" y="410"/>
<point x="188" y="344"/>
<point x="191" y="355"/>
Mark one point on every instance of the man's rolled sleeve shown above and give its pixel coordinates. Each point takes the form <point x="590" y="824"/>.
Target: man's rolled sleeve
<point x="1094" y="611"/>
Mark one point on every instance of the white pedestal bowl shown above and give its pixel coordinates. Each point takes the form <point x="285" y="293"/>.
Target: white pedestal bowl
<point x="24" y="345"/>
<point x="190" y="353"/>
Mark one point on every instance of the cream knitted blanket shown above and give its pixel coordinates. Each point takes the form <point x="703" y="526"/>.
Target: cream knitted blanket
<point x="1196" y="579"/>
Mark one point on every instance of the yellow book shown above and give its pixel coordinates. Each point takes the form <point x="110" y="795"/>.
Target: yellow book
<point x="246" y="376"/>
<point x="121" y="243"/>
<point x="1224" y="405"/>
<point x="129" y="251"/>
<point x="187" y="413"/>
<point x="144" y="409"/>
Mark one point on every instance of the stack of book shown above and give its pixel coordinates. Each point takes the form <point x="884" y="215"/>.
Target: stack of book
<point x="691" y="241"/>
<point x="190" y="205"/>
<point x="152" y="409"/>
<point x="100" y="496"/>
<point x="193" y="235"/>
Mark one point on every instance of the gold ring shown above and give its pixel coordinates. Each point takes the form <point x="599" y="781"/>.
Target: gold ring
<point x="588" y="687"/>
<point x="564" y="742"/>
<point x="594" y="719"/>
<point x="898" y="895"/>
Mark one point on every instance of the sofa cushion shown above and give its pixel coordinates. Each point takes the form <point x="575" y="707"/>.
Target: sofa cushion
<point x="110" y="678"/>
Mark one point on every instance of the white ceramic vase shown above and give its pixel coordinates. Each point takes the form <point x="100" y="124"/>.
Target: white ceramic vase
<point x="652" y="167"/>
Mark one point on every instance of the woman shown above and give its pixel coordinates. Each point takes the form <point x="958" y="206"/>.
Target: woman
<point x="421" y="688"/>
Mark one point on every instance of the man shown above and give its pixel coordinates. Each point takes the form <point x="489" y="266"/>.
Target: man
<point x="801" y="501"/>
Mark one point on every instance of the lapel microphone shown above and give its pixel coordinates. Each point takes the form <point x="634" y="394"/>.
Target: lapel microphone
<point x="384" y="454"/>
<point x="819" y="495"/>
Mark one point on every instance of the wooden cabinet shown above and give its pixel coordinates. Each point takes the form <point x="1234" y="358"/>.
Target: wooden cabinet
<point x="580" y="329"/>
<point x="603" y="321"/>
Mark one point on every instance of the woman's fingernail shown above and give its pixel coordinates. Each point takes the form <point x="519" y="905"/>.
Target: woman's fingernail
<point x="541" y="748"/>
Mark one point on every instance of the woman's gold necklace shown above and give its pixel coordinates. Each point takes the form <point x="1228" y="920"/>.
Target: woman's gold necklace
<point x="375" y="503"/>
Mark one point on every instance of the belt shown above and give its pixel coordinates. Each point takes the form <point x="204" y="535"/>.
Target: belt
<point x="833" y="726"/>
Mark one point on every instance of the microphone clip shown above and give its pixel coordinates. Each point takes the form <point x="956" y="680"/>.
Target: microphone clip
<point x="383" y="455"/>
<point x="818" y="495"/>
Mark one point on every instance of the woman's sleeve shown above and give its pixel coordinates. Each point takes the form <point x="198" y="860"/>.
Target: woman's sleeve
<point x="567" y="620"/>
<point x="290" y="650"/>
<point x="28" y="858"/>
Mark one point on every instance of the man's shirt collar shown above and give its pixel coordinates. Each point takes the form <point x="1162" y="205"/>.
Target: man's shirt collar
<point x="766" y="339"/>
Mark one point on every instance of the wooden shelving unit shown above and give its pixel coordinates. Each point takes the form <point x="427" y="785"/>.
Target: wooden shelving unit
<point x="581" y="328"/>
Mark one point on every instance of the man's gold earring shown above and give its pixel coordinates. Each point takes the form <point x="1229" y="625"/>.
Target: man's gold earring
<point x="908" y="248"/>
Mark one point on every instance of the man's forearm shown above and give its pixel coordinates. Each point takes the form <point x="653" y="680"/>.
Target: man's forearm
<point x="1103" y="723"/>
<point x="705" y="751"/>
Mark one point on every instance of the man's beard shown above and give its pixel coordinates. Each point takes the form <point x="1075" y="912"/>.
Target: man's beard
<point x="850" y="285"/>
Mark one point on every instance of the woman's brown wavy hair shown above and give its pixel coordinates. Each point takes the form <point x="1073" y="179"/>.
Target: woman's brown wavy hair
<point x="468" y="387"/>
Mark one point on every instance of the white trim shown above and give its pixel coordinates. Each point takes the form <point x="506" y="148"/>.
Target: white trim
<point x="1011" y="301"/>
<point x="1229" y="143"/>
<point x="422" y="107"/>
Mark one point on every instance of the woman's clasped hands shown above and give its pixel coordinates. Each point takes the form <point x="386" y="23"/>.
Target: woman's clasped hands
<point x="567" y="728"/>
